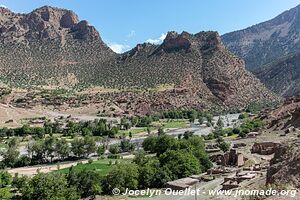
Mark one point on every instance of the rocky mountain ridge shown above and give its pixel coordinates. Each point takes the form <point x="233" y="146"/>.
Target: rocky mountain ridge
<point x="56" y="49"/>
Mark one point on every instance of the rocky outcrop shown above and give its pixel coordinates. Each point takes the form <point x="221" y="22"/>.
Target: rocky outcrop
<point x="285" y="117"/>
<point x="285" y="166"/>
<point x="45" y="23"/>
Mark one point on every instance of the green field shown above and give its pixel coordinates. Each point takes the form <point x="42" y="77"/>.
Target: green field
<point x="154" y="127"/>
<point x="101" y="166"/>
<point x="174" y="124"/>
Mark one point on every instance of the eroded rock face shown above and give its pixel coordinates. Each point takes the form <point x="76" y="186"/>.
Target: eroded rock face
<point x="285" y="166"/>
<point x="285" y="116"/>
<point x="45" y="23"/>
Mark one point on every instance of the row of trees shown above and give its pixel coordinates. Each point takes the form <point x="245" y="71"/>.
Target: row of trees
<point x="96" y="128"/>
<point x="45" y="150"/>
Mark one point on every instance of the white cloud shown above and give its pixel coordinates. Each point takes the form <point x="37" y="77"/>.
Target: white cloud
<point x="118" y="48"/>
<point x="131" y="34"/>
<point x="3" y="6"/>
<point x="158" y="40"/>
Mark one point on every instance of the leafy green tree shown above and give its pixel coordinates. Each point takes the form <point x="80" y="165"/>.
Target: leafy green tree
<point x="100" y="150"/>
<point x="114" y="149"/>
<point x="87" y="183"/>
<point x="122" y="176"/>
<point x="127" y="146"/>
<point x="10" y="157"/>
<point x="224" y="146"/>
<point x="48" y="187"/>
<point x="39" y="132"/>
<point x="149" y="144"/>
<point x="160" y="131"/>
<point x="165" y="143"/>
<point x="5" y="194"/>
<point x="89" y="145"/>
<point x="181" y="163"/>
<point x="22" y="161"/>
<point x="148" y="172"/>
<point x="125" y="123"/>
<point x="78" y="147"/>
<point x="62" y="148"/>
<point x="5" y="179"/>
<point x="209" y="118"/>
<point x="49" y="147"/>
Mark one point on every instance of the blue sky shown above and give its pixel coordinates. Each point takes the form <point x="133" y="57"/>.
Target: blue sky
<point x="125" y="23"/>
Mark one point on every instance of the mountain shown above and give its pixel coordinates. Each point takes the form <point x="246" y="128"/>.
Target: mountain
<point x="264" y="42"/>
<point x="282" y="76"/>
<point x="49" y="46"/>
<point x="52" y="47"/>
<point x="271" y="50"/>
<point x="199" y="61"/>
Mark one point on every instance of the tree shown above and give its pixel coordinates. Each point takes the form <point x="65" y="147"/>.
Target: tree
<point x="62" y="148"/>
<point x="160" y="131"/>
<point x="49" y="147"/>
<point x="181" y="163"/>
<point x="37" y="150"/>
<point x="78" y="147"/>
<point x="188" y="134"/>
<point x="122" y="176"/>
<point x="164" y="143"/>
<point x="5" y="182"/>
<point x="48" y="187"/>
<point x="114" y="149"/>
<point x="100" y="150"/>
<point x="5" y="179"/>
<point x="147" y="173"/>
<point x="89" y="145"/>
<point x="149" y="144"/>
<point x="130" y="135"/>
<point x="5" y="193"/>
<point x="39" y="132"/>
<point x="10" y="157"/>
<point x="220" y="123"/>
<point x="22" y="161"/>
<point x="125" y="123"/>
<point x="224" y="146"/>
<point x="200" y="120"/>
<point x="209" y="118"/>
<point x="127" y="146"/>
<point x="87" y="183"/>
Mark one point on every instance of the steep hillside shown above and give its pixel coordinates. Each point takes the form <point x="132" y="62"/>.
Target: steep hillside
<point x="285" y="166"/>
<point x="282" y="76"/>
<point x="265" y="42"/>
<point x="285" y="116"/>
